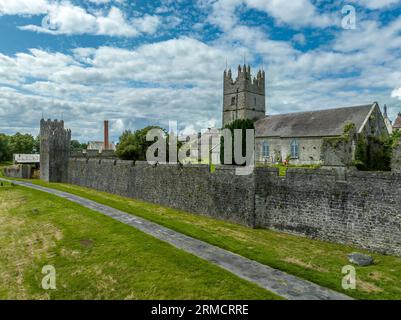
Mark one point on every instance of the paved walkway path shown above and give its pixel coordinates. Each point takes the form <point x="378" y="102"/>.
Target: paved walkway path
<point x="281" y="283"/>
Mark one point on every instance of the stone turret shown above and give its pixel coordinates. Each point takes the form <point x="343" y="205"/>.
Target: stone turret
<point x="244" y="98"/>
<point x="387" y="121"/>
<point x="54" y="151"/>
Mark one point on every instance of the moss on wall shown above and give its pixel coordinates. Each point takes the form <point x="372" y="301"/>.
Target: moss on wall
<point x="337" y="151"/>
<point x="374" y="153"/>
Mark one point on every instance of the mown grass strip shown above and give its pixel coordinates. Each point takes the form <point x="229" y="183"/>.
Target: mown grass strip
<point x="317" y="261"/>
<point x="98" y="258"/>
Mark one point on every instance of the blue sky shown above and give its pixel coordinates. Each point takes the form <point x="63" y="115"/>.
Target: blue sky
<point x="150" y="62"/>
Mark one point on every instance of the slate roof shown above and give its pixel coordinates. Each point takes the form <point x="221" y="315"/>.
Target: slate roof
<point x="397" y="122"/>
<point x="321" y="123"/>
<point x="26" y="158"/>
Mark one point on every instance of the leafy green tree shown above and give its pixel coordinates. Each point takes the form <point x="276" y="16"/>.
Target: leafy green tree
<point x="374" y="153"/>
<point x="388" y="146"/>
<point x="5" y="152"/>
<point x="242" y="124"/>
<point x="75" y="145"/>
<point x="133" y="145"/>
<point x="37" y="145"/>
<point x="22" y="143"/>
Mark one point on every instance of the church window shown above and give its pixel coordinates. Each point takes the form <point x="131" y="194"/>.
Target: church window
<point x="255" y="102"/>
<point x="266" y="151"/>
<point x="294" y="149"/>
<point x="233" y="101"/>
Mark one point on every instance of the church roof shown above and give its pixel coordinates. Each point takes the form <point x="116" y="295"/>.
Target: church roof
<point x="320" y="123"/>
<point x="397" y="122"/>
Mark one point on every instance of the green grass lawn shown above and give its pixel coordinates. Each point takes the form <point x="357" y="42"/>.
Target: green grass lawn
<point x="282" y="169"/>
<point x="98" y="258"/>
<point x="318" y="261"/>
<point x="3" y="165"/>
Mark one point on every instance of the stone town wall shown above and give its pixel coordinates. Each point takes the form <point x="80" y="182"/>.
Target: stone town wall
<point x="352" y="207"/>
<point x="344" y="206"/>
<point x="192" y="188"/>
<point x="21" y="171"/>
<point x="396" y="159"/>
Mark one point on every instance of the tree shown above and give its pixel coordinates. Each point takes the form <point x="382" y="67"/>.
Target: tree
<point x="5" y="152"/>
<point x="374" y="153"/>
<point x="37" y="145"/>
<point x="18" y="143"/>
<point x="22" y="143"/>
<point x="133" y="145"/>
<point x="75" y="145"/>
<point x="242" y="124"/>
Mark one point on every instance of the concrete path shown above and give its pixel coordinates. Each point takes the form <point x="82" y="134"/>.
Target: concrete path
<point x="283" y="284"/>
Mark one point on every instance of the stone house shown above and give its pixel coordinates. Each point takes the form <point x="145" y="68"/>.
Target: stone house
<point x="300" y="137"/>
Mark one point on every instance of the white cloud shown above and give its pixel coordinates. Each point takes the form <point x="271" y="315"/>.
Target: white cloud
<point x="66" y="18"/>
<point x="176" y="74"/>
<point x="396" y="93"/>
<point x="147" y="23"/>
<point x="118" y="126"/>
<point x="377" y="4"/>
<point x="295" y="12"/>
<point x="114" y="24"/>
<point x="181" y="79"/>
<point x="223" y="13"/>
<point x="99" y="2"/>
<point x="23" y="7"/>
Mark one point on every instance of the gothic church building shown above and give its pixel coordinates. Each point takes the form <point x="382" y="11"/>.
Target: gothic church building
<point x="295" y="137"/>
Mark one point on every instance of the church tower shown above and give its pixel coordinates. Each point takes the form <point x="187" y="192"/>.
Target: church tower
<point x="244" y="98"/>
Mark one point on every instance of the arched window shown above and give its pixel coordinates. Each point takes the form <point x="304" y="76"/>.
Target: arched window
<point x="255" y="102"/>
<point x="233" y="101"/>
<point x="294" y="149"/>
<point x="265" y="151"/>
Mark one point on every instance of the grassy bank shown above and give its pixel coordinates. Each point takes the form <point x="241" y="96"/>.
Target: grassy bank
<point x="317" y="261"/>
<point x="96" y="257"/>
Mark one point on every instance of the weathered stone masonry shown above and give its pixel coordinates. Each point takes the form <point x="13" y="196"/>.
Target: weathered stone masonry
<point x="356" y="208"/>
<point x="54" y="150"/>
<point x="191" y="188"/>
<point x="363" y="210"/>
<point x="343" y="206"/>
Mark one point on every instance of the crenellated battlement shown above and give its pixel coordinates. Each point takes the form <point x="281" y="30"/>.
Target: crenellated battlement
<point x="244" y="77"/>
<point x="244" y="81"/>
<point x="244" y="97"/>
<point x="54" y="128"/>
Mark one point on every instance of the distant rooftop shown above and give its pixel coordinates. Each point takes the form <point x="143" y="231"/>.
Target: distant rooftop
<point x="397" y="122"/>
<point x="99" y="145"/>
<point x="26" y="158"/>
<point x="320" y="123"/>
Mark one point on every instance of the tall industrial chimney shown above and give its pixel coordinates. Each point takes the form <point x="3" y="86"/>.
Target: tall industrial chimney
<point x="106" y="135"/>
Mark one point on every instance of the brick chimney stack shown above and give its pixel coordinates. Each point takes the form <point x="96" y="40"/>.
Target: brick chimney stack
<point x="106" y="145"/>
